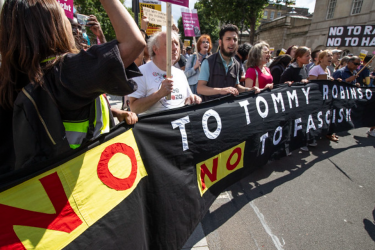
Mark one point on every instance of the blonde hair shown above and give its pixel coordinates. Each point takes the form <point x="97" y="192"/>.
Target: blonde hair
<point x="323" y="54"/>
<point x="255" y="54"/>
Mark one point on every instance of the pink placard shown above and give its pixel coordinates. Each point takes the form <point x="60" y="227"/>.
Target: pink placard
<point x="67" y="6"/>
<point x="178" y="2"/>
<point x="190" y="22"/>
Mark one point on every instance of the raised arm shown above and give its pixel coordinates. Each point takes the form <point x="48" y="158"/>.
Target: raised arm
<point x="130" y="39"/>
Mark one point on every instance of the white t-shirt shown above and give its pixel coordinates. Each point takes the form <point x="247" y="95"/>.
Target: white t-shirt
<point x="318" y="70"/>
<point x="150" y="82"/>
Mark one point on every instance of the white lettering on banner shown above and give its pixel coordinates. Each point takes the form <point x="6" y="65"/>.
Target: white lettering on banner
<point x="354" y="93"/>
<point x="333" y="42"/>
<point x="310" y="124"/>
<point x="207" y="132"/>
<point x="334" y="91"/>
<point x="180" y="123"/>
<point x="348" y="112"/>
<point x="297" y="126"/>
<point x="365" y="41"/>
<point x="342" y="92"/>
<point x="325" y="92"/>
<point x="262" y="140"/>
<point x="306" y="92"/>
<point x="350" y="28"/>
<point x="328" y="113"/>
<point x="292" y="97"/>
<point x="320" y="125"/>
<point x="265" y="113"/>
<point x="347" y="92"/>
<point x="244" y="104"/>
<point x="278" y="99"/>
<point x="367" y="30"/>
<point x="336" y="31"/>
<point x="280" y="130"/>
<point x="368" y="94"/>
<point x="357" y="30"/>
<point x="334" y="116"/>
<point x="341" y="114"/>
<point x="360" y="95"/>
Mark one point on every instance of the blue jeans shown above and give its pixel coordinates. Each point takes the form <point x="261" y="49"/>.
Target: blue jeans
<point x="194" y="88"/>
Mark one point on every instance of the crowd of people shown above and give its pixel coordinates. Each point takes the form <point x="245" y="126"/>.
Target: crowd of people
<point x="53" y="81"/>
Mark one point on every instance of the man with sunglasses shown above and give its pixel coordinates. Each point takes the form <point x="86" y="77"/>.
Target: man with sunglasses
<point x="348" y="73"/>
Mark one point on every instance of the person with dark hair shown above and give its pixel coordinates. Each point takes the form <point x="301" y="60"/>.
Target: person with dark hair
<point x="241" y="57"/>
<point x="278" y="66"/>
<point x="296" y="72"/>
<point x="343" y="62"/>
<point x="188" y="52"/>
<point x="219" y="74"/>
<point x="315" y="57"/>
<point x="192" y="70"/>
<point x="292" y="51"/>
<point x="51" y="89"/>
<point x="364" y="76"/>
<point x="348" y="74"/>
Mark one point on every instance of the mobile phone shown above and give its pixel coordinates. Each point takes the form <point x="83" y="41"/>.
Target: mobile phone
<point x="82" y="19"/>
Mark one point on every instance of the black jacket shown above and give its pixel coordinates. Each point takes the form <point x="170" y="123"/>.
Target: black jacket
<point x="294" y="73"/>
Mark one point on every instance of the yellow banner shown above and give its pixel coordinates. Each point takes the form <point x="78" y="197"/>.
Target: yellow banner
<point x="216" y="168"/>
<point x="152" y="28"/>
<point x="70" y="198"/>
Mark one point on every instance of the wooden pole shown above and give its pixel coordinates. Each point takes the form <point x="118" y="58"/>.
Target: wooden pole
<point x="195" y="45"/>
<point x="169" y="43"/>
<point x="365" y="65"/>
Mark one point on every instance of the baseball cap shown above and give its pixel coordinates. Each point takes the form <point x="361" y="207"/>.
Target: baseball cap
<point x="336" y="51"/>
<point x="188" y="47"/>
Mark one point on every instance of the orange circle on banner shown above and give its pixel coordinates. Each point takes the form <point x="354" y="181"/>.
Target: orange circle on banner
<point x="107" y="177"/>
<point x="239" y="154"/>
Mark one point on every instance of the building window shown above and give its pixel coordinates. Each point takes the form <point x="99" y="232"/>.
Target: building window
<point x="357" y="6"/>
<point x="279" y="14"/>
<point x="265" y="14"/>
<point x="331" y="9"/>
<point x="272" y="16"/>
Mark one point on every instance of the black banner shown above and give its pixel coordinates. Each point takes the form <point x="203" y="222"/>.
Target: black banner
<point x="351" y="36"/>
<point x="190" y="155"/>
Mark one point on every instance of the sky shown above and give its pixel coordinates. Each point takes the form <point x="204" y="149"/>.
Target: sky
<point x="176" y="9"/>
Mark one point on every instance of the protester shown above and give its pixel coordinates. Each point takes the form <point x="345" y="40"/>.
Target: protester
<point x="348" y="74"/>
<point x="80" y="41"/>
<point x="336" y="53"/>
<point x="52" y="82"/>
<point x="154" y="86"/>
<point x="343" y="62"/>
<point x="321" y="71"/>
<point x="193" y="64"/>
<point x="278" y="66"/>
<point x="180" y="63"/>
<point x="292" y="51"/>
<point x="296" y="72"/>
<point x="241" y="56"/>
<point x="258" y="77"/>
<point x="314" y="56"/>
<point x="188" y="52"/>
<point x="219" y="74"/>
<point x="364" y="77"/>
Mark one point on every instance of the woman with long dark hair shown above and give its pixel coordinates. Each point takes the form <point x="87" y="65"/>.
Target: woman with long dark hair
<point x="278" y="66"/>
<point x="51" y="89"/>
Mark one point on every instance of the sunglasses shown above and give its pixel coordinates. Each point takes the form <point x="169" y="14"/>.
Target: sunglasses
<point x="356" y="64"/>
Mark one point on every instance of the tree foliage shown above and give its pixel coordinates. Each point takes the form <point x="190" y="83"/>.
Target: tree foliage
<point x="243" y="13"/>
<point x="94" y="7"/>
<point x="208" y="24"/>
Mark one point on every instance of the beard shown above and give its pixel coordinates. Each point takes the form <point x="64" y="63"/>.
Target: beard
<point x="226" y="53"/>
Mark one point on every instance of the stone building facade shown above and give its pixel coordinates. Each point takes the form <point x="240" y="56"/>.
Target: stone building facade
<point x="284" y="31"/>
<point x="274" y="11"/>
<point x="336" y="13"/>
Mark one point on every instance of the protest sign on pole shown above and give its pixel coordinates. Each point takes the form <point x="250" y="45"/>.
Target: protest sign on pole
<point x="179" y="2"/>
<point x="282" y="52"/>
<point x="186" y="42"/>
<point x="67" y="6"/>
<point x="363" y="54"/>
<point x="351" y="36"/>
<point x="190" y="22"/>
<point x="155" y="17"/>
<point x="151" y="4"/>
